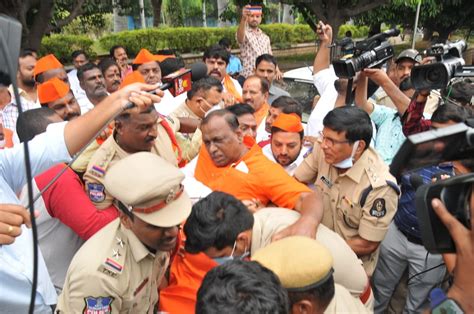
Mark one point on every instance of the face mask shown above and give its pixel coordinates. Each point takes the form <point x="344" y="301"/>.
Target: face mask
<point x="347" y="163"/>
<point x="224" y="259"/>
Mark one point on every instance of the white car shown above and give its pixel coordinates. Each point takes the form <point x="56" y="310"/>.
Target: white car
<point x="299" y="83"/>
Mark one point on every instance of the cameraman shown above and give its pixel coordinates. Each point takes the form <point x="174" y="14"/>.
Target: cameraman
<point x="462" y="289"/>
<point x="402" y="246"/>
<point x="389" y="135"/>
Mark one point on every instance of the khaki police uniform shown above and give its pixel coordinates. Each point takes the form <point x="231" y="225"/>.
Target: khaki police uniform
<point x="190" y="143"/>
<point x="348" y="269"/>
<point x="303" y="264"/>
<point x="344" y="302"/>
<point x="114" y="272"/>
<point x="110" y="152"/>
<point x="360" y="202"/>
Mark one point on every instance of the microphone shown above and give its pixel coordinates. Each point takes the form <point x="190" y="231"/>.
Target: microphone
<point x="416" y="181"/>
<point x="180" y="81"/>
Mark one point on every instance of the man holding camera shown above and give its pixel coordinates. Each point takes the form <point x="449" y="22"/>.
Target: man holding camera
<point x="403" y="248"/>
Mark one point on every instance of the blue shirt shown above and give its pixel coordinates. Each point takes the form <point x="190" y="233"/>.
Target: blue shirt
<point x="390" y="135"/>
<point x="406" y="219"/>
<point x="234" y="66"/>
<point x="16" y="260"/>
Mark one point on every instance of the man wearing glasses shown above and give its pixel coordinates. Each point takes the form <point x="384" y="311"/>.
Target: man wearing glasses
<point x="360" y="196"/>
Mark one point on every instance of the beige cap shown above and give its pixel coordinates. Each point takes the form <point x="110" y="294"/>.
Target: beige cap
<point x="150" y="187"/>
<point x="300" y="263"/>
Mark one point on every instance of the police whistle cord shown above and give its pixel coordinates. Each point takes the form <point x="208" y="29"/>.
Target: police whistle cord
<point x="34" y="230"/>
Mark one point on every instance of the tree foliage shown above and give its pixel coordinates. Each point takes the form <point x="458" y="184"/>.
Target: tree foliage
<point x="334" y="12"/>
<point x="442" y="16"/>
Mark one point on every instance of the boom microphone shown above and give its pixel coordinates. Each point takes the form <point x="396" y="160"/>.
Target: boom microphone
<point x="180" y="81"/>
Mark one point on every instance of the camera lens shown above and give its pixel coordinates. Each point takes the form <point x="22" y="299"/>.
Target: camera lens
<point x="433" y="75"/>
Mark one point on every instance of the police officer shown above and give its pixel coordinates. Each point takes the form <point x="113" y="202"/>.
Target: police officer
<point x="121" y="266"/>
<point x="304" y="267"/>
<point x="135" y="131"/>
<point x="360" y="196"/>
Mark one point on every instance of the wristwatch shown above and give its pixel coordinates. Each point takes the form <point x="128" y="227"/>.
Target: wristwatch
<point x="441" y="304"/>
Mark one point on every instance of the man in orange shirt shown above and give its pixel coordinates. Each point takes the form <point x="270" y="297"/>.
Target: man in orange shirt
<point x="234" y="164"/>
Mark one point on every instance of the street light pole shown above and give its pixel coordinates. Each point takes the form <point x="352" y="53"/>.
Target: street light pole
<point x="142" y="13"/>
<point x="416" y="24"/>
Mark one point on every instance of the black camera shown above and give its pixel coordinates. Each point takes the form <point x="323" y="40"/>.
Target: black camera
<point x="368" y="53"/>
<point x="455" y="193"/>
<point x="449" y="64"/>
<point x="433" y="147"/>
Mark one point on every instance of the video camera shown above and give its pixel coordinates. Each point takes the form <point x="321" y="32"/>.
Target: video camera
<point x="449" y="64"/>
<point x="433" y="147"/>
<point x="369" y="53"/>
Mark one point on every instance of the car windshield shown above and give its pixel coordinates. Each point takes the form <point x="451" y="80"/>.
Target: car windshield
<point x="303" y="91"/>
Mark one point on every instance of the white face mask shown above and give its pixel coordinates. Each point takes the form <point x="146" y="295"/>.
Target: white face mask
<point x="348" y="162"/>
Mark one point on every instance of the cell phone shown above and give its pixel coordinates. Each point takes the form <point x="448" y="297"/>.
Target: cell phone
<point x="255" y="9"/>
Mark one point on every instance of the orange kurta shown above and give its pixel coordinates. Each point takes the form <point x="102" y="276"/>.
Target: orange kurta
<point x="252" y="177"/>
<point x="261" y="113"/>
<point x="230" y="88"/>
<point x="186" y="274"/>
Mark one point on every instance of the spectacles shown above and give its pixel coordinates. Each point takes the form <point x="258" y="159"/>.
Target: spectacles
<point x="329" y="141"/>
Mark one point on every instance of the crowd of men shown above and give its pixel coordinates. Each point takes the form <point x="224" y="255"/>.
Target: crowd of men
<point x="221" y="199"/>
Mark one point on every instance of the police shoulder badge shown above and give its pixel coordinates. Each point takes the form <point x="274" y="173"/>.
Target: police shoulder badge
<point x="99" y="305"/>
<point x="96" y="192"/>
<point x="378" y="208"/>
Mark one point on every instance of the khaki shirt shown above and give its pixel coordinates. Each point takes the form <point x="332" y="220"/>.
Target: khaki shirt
<point x="80" y="164"/>
<point x="348" y="270"/>
<point x="344" y="302"/>
<point x="110" y="152"/>
<point x="190" y="143"/>
<point x="342" y="195"/>
<point x="113" y="272"/>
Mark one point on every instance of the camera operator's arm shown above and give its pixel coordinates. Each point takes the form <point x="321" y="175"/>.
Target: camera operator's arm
<point x="381" y="78"/>
<point x="323" y="56"/>
<point x="413" y="121"/>
<point x="462" y="290"/>
<point x="361" y="94"/>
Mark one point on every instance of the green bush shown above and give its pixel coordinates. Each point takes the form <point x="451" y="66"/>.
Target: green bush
<point x="197" y="39"/>
<point x="357" y="31"/>
<point x="63" y="45"/>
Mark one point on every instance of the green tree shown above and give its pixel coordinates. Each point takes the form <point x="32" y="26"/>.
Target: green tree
<point x="442" y="16"/>
<point x="334" y="12"/>
<point x="39" y="17"/>
<point x="174" y="13"/>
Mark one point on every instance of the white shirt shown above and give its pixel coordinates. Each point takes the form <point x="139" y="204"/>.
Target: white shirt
<point x="169" y="103"/>
<point x="85" y="105"/>
<point x="324" y="82"/>
<point x="237" y="86"/>
<point x="290" y="169"/>
<point x="194" y="188"/>
<point x="75" y="86"/>
<point x="16" y="260"/>
<point x="262" y="134"/>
